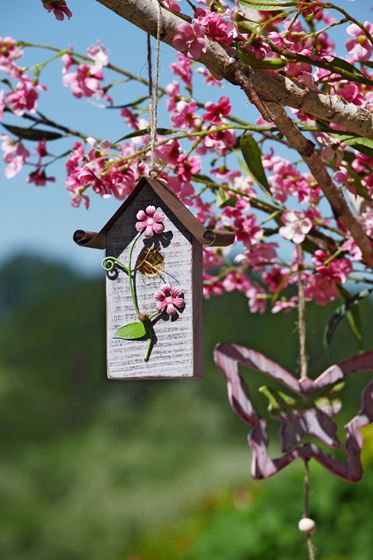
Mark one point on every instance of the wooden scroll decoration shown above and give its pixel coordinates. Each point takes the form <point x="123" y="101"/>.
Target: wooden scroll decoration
<point x="153" y="270"/>
<point x="310" y="415"/>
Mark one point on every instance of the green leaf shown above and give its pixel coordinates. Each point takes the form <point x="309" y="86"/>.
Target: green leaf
<point x="34" y="134"/>
<point x="273" y="63"/>
<point x="224" y="199"/>
<point x="253" y="158"/>
<point x="339" y="63"/>
<point x="363" y="145"/>
<point x="349" y="311"/>
<point x="144" y="131"/>
<point x="267" y="5"/>
<point x="131" y="331"/>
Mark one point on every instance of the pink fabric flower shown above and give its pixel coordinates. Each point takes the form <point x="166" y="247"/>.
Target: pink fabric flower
<point x="359" y="45"/>
<point x="169" y="300"/>
<point x="190" y="39"/>
<point x="215" y="112"/>
<point x="296" y="227"/>
<point x="59" y="9"/>
<point x="150" y="221"/>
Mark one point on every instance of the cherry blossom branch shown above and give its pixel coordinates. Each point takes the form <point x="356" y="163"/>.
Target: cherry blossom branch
<point x="306" y="149"/>
<point x="269" y="85"/>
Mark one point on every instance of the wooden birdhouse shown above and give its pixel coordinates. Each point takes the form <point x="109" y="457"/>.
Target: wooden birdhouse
<point x="153" y="269"/>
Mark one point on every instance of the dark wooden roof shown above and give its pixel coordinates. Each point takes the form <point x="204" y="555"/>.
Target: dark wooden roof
<point x="204" y="235"/>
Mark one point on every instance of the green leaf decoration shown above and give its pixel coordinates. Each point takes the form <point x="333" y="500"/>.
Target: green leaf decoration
<point x="267" y="5"/>
<point x="225" y="199"/>
<point x="143" y="131"/>
<point x="349" y="311"/>
<point x="253" y="158"/>
<point x="278" y="402"/>
<point x="131" y="331"/>
<point x="272" y="63"/>
<point x="34" y="134"/>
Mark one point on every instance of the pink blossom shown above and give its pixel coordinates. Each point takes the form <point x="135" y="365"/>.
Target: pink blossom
<point x="284" y="304"/>
<point x="188" y="167"/>
<point x="39" y="178"/>
<point x="214" y="112"/>
<point x="184" y="115"/>
<point x="247" y="230"/>
<point x="183" y="189"/>
<point x="236" y="281"/>
<point x="190" y="39"/>
<point x="212" y="286"/>
<point x="58" y="7"/>
<point x="277" y="279"/>
<point x="24" y="97"/>
<point x="2" y="104"/>
<point x="173" y="92"/>
<point x="359" y="45"/>
<point x="216" y="27"/>
<point x="169" y="300"/>
<point x="85" y="82"/>
<point x="212" y="258"/>
<point x="210" y="79"/>
<point x="183" y="69"/>
<point x="258" y="255"/>
<point x="99" y="54"/>
<point x="15" y="155"/>
<point x="171" y="4"/>
<point x="150" y="221"/>
<point x="169" y="152"/>
<point x="221" y="141"/>
<point x="9" y="53"/>
<point x="296" y="227"/>
<point x="257" y="299"/>
<point x="130" y="118"/>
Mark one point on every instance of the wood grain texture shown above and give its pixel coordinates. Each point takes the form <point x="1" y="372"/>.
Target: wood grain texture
<point x="177" y="352"/>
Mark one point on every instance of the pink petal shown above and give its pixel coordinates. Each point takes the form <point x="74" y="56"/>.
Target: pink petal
<point x="157" y="227"/>
<point x="140" y="226"/>
<point x="148" y="233"/>
<point x="141" y="215"/>
<point x="171" y="310"/>
<point x="150" y="210"/>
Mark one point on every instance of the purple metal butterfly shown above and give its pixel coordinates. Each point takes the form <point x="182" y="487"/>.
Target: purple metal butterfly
<point x="312" y="417"/>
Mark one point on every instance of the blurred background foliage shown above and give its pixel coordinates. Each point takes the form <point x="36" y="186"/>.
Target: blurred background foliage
<point x="92" y="469"/>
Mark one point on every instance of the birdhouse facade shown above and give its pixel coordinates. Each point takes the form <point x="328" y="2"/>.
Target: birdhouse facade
<point x="162" y="263"/>
<point x="153" y="267"/>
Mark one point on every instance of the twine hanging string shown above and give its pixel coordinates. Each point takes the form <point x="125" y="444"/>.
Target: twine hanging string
<point x="306" y="524"/>
<point x="153" y="89"/>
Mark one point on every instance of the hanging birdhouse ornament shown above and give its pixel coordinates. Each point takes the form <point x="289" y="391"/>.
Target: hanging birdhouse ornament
<point x="153" y="270"/>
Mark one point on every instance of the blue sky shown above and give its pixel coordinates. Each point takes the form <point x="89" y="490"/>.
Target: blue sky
<point x="41" y="220"/>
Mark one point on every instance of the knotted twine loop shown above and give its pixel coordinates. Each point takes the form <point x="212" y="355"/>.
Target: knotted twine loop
<point x="153" y="90"/>
<point x="303" y="375"/>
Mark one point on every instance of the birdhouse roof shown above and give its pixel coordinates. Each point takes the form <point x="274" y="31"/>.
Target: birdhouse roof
<point x="205" y="236"/>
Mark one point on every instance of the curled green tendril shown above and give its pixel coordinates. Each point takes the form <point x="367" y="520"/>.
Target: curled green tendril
<point x="109" y="263"/>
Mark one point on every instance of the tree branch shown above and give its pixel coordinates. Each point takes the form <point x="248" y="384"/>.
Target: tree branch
<point x="269" y="85"/>
<point x="307" y="150"/>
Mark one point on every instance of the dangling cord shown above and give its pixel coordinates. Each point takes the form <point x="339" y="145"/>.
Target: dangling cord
<point x="153" y="89"/>
<point x="306" y="525"/>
